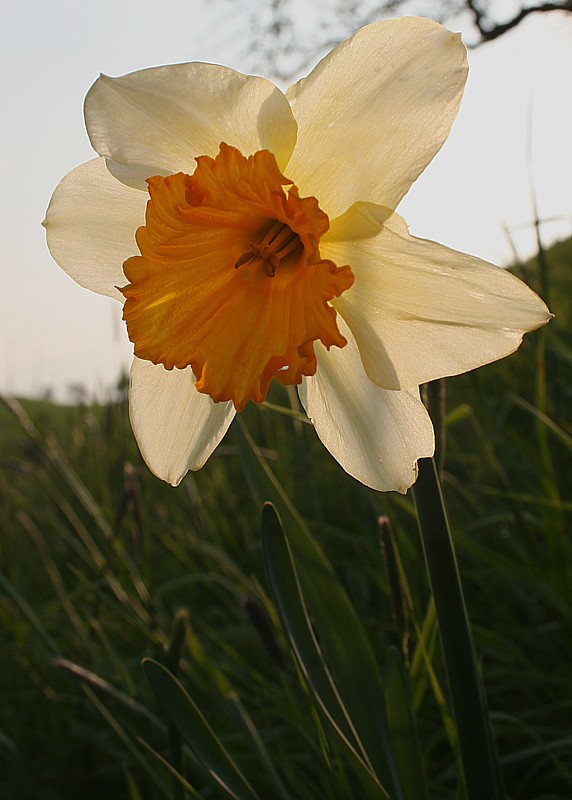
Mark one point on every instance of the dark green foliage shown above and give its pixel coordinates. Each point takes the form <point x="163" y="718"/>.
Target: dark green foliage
<point x="102" y="565"/>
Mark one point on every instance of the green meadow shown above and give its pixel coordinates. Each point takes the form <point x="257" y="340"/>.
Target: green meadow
<point x="103" y="566"/>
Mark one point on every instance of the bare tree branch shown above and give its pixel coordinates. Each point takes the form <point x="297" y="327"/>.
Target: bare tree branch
<point x="489" y="31"/>
<point x="282" y="43"/>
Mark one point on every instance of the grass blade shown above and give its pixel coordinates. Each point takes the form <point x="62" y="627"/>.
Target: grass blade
<point x="402" y="727"/>
<point x="340" y="669"/>
<point x="195" y="730"/>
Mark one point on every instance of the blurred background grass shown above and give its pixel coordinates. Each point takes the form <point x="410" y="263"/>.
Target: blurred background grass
<point x="101" y="565"/>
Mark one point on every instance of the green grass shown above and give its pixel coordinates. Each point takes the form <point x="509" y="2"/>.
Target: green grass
<point x="98" y="558"/>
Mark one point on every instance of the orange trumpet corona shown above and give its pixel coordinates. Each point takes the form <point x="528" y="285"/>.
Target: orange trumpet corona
<point x="230" y="281"/>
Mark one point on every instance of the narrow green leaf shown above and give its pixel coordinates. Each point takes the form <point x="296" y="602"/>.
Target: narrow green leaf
<point x="340" y="669"/>
<point x="180" y="779"/>
<point x="28" y="612"/>
<point x="88" y="678"/>
<point x="54" y="575"/>
<point x="256" y="741"/>
<point x="195" y="730"/>
<point x="132" y="788"/>
<point x="560" y="434"/>
<point x="403" y="731"/>
<point x="468" y="699"/>
<point x="127" y="740"/>
<point x="294" y="615"/>
<point x="422" y="670"/>
<point x="343" y="642"/>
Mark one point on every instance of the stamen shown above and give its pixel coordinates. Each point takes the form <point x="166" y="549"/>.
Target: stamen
<point x="275" y="244"/>
<point x="289" y="246"/>
<point x="273" y="232"/>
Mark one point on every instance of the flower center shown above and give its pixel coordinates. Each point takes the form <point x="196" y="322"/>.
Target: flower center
<point x="230" y="281"/>
<point x="278" y="242"/>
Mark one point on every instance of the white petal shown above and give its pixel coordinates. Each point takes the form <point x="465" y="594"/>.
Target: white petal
<point x="91" y="223"/>
<point x="134" y="175"/>
<point x="375" y="434"/>
<point x="374" y="112"/>
<point x="421" y="311"/>
<point x="176" y="427"/>
<point x="164" y="117"/>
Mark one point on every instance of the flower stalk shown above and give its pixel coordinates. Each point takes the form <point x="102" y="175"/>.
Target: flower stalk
<point x="476" y="746"/>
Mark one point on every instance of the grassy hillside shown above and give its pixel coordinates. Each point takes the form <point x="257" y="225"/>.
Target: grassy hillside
<point x="101" y="565"/>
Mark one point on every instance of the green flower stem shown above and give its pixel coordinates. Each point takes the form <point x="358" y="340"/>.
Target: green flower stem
<point x="476" y="747"/>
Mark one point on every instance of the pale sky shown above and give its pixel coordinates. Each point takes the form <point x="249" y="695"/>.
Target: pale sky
<point x="55" y="334"/>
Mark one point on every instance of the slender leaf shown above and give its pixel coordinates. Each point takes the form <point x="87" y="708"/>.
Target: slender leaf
<point x="340" y="669"/>
<point x="403" y="731"/>
<point x="476" y="745"/>
<point x="256" y="741"/>
<point x="195" y="730"/>
<point x="180" y="779"/>
<point x="127" y="740"/>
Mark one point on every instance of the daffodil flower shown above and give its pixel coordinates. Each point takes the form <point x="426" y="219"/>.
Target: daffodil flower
<point x="251" y="235"/>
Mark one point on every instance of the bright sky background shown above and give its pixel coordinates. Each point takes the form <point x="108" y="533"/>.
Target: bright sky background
<point x="55" y="334"/>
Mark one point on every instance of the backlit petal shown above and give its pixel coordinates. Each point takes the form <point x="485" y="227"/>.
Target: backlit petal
<point x="374" y="112"/>
<point x="176" y="427"/>
<point x="421" y="311"/>
<point x="375" y="434"/>
<point x="91" y="223"/>
<point x="164" y="117"/>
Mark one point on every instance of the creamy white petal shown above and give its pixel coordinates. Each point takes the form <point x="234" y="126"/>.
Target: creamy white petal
<point x="134" y="175"/>
<point x="375" y="434"/>
<point x="421" y="311"/>
<point x="360" y="221"/>
<point x="91" y="223"/>
<point x="176" y="427"/>
<point x="374" y="112"/>
<point x="164" y="117"/>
